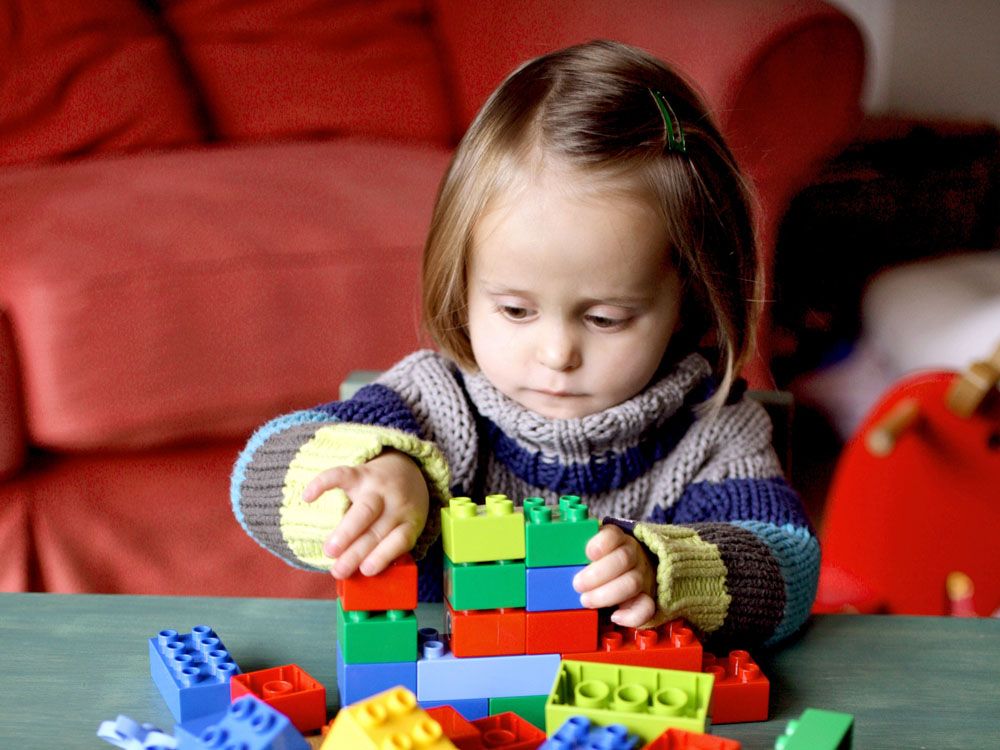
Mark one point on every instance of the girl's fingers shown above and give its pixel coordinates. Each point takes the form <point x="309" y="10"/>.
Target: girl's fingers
<point x="344" y="477"/>
<point x="398" y="541"/>
<point x="607" y="568"/>
<point x="635" y="612"/>
<point x="364" y="512"/>
<point x="611" y="594"/>
<point x="604" y="541"/>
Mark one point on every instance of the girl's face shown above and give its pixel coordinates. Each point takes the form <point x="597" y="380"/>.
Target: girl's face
<point x="572" y="299"/>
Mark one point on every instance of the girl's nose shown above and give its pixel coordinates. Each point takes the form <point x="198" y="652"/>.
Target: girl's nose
<point x="558" y="350"/>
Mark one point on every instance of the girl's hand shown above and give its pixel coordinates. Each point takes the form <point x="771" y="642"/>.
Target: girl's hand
<point x="389" y="503"/>
<point x="619" y="575"/>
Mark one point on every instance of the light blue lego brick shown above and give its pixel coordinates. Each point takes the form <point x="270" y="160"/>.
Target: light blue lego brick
<point x="550" y="589"/>
<point x="443" y="677"/>
<point x="125" y="733"/>
<point x="192" y="671"/>
<point x="249" y="724"/>
<point x="190" y="731"/>
<point x="470" y="708"/>
<point x="355" y="682"/>
<point x="578" y="733"/>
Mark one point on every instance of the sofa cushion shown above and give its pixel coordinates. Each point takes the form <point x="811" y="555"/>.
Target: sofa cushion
<point x="84" y="77"/>
<point x="283" y="68"/>
<point x="195" y="294"/>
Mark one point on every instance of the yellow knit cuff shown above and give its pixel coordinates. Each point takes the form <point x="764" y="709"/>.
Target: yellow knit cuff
<point x="305" y="526"/>
<point x="690" y="576"/>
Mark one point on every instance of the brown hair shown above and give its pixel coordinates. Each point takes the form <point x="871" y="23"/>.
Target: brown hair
<point x="591" y="106"/>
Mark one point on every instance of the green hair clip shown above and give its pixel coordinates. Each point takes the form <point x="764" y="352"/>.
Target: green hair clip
<point x="672" y="126"/>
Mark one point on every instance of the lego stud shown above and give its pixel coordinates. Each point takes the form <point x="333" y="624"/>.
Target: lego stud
<point x="737" y="660"/>
<point x="646" y="639"/>
<point x="499" y="505"/>
<point x="396" y="614"/>
<point x="573" y="730"/>
<point x="357" y="616"/>
<point x="532" y="502"/>
<point x="669" y="702"/>
<point x="591" y="694"/>
<point x="427" y="732"/>
<point x="263" y="723"/>
<point x="433" y="650"/>
<point x="371" y="715"/>
<point x="631" y="699"/>
<point x="612" y="641"/>
<point x="568" y="500"/>
<point x="427" y="634"/>
<point x="202" y="633"/>
<point x="166" y="637"/>
<point x="498" y="738"/>
<point x="540" y="514"/>
<point x="576" y="513"/>
<point x="400" y="701"/>
<point x="681" y="636"/>
<point x="215" y="737"/>
<point x="275" y="688"/>
<point x="462" y="507"/>
<point x="189" y="675"/>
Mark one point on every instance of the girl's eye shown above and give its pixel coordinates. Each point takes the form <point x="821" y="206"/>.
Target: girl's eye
<point x="599" y="321"/>
<point x="513" y="312"/>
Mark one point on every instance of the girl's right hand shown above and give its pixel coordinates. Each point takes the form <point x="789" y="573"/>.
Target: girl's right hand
<point x="389" y="505"/>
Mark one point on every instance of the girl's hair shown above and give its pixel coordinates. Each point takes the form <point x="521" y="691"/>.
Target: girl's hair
<point x="592" y="107"/>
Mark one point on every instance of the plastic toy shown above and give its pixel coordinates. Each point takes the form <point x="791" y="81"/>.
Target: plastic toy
<point x="393" y="588"/>
<point x="578" y="733"/>
<point x="127" y="734"/>
<point x="356" y="682"/>
<point x="482" y="533"/>
<point x="680" y="739"/>
<point x="560" y="631"/>
<point x="672" y="645"/>
<point x="375" y="637"/>
<point x="646" y="701"/>
<point x="288" y="689"/>
<point x="741" y="690"/>
<point x="817" y="729"/>
<point x="249" y="724"/>
<point x="557" y="536"/>
<point x="191" y="671"/>
<point x="508" y="731"/>
<point x="388" y="720"/>
<point x="495" y="632"/>
<point x="441" y="676"/>
<point x="498" y="585"/>
<point x="457" y="728"/>
<point x="551" y="588"/>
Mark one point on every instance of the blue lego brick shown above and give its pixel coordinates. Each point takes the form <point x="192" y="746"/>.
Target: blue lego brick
<point x="578" y="733"/>
<point x="192" y="671"/>
<point x="470" y="708"/>
<point x="443" y="677"/>
<point x="190" y="731"/>
<point x="356" y="682"/>
<point x="249" y="724"/>
<point x="550" y="589"/>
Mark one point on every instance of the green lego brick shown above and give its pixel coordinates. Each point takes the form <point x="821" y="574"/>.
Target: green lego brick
<point x="531" y="708"/>
<point x="557" y="536"/>
<point x="485" y="585"/>
<point x="646" y="701"/>
<point x="482" y="533"/>
<point x="376" y="637"/>
<point x="817" y="729"/>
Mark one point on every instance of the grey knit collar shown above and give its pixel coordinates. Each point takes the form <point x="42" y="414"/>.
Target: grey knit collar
<point x="608" y="431"/>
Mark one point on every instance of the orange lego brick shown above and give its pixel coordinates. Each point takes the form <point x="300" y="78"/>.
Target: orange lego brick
<point x="486" y="632"/>
<point x="560" y="631"/>
<point x="673" y="645"/>
<point x="741" y="690"/>
<point x="393" y="588"/>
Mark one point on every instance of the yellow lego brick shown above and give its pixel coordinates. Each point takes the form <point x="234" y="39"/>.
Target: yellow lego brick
<point x="482" y="533"/>
<point x="388" y="721"/>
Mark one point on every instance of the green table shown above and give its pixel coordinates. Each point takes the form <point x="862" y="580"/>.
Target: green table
<point x="71" y="662"/>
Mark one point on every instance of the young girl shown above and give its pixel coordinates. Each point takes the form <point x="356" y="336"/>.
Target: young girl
<point x="592" y="232"/>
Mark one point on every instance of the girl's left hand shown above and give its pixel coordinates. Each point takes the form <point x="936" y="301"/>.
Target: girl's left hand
<point x="619" y="575"/>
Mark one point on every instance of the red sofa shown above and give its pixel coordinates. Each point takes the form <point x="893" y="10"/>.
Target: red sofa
<point x="211" y="212"/>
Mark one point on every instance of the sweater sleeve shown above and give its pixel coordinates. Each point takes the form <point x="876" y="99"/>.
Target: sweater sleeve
<point x="286" y="453"/>
<point x="736" y="553"/>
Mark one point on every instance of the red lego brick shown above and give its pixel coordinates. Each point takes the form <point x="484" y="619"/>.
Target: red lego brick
<point x="673" y="645"/>
<point x="485" y="632"/>
<point x="680" y="739"/>
<point x="741" y="690"/>
<point x="508" y="731"/>
<point x="288" y="689"/>
<point x="457" y="728"/>
<point x="560" y="631"/>
<point x="393" y="588"/>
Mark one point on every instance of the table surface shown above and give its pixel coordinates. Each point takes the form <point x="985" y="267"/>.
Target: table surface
<point x="70" y="662"/>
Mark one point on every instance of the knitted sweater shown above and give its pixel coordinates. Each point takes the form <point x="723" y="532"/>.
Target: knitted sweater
<point x="736" y="555"/>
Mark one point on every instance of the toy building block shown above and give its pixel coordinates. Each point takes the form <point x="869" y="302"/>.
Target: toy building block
<point x="372" y="637"/>
<point x="498" y="585"/>
<point x="482" y="533"/>
<point x="646" y="701"/>
<point x="741" y="690"/>
<point x="578" y="733"/>
<point x="290" y="690"/>
<point x="457" y="728"/>
<point x="817" y="729"/>
<point x="531" y="708"/>
<point x="127" y="734"/>
<point x="249" y="724"/>
<point x="560" y="631"/>
<point x="557" y="536"/>
<point x="551" y="588"/>
<point x="508" y="731"/>
<point x="469" y="708"/>
<point x="188" y="733"/>
<point x="388" y="720"/>
<point x="493" y="632"/>
<point x="356" y="682"/>
<point x="393" y="588"/>
<point x="192" y="671"/>
<point x="672" y="645"/>
<point x="441" y="676"/>
<point x="680" y="739"/>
